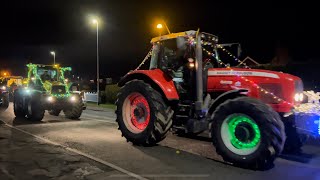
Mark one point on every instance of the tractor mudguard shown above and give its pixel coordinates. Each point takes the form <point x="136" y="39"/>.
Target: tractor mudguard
<point x="156" y="78"/>
<point x="225" y="96"/>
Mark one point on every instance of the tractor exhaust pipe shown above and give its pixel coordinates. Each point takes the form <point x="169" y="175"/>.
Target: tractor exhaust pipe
<point x="199" y="78"/>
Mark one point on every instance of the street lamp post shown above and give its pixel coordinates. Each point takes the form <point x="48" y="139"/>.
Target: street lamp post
<point x="95" y="21"/>
<point x="54" y="57"/>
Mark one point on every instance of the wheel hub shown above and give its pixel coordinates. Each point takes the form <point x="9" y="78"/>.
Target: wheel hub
<point x="245" y="133"/>
<point x="136" y="112"/>
<point x="139" y="112"/>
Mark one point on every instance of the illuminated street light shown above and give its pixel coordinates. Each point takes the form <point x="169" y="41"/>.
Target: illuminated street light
<point x="54" y="57"/>
<point x="159" y="26"/>
<point x="5" y="74"/>
<point x="96" y="22"/>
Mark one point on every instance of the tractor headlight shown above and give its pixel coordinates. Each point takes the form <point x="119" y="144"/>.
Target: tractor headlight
<point x="4" y="88"/>
<point x="298" y="97"/>
<point x="73" y="98"/>
<point x="50" y="99"/>
<point x="26" y="90"/>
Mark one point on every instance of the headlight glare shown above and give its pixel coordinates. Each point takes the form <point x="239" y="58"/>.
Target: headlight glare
<point x="50" y="98"/>
<point x="298" y="97"/>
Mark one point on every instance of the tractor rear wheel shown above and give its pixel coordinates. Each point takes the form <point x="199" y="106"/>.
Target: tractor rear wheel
<point x="76" y="110"/>
<point x="142" y="114"/>
<point x="54" y="112"/>
<point x="18" y="106"/>
<point x="35" y="110"/>
<point x="247" y="133"/>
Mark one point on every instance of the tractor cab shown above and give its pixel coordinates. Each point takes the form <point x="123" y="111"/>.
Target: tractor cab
<point x="49" y="78"/>
<point x="180" y="54"/>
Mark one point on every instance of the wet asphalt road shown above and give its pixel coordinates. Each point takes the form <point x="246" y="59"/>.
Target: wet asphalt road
<point x="175" y="158"/>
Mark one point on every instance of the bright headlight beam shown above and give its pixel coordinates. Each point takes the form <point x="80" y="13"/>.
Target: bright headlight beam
<point x="50" y="98"/>
<point x="73" y="98"/>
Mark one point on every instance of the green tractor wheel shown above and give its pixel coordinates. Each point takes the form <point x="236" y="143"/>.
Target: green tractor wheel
<point x="247" y="133"/>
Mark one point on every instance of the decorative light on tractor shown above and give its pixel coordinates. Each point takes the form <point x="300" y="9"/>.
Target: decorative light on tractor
<point x="191" y="63"/>
<point x="3" y="88"/>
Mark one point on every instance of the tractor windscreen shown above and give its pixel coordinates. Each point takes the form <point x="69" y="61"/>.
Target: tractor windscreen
<point x="171" y="54"/>
<point x="47" y="74"/>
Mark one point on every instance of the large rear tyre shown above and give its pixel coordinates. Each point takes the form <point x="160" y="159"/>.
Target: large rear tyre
<point x="247" y="133"/>
<point x="76" y="110"/>
<point x="18" y="107"/>
<point x="54" y="112"/>
<point x="5" y="102"/>
<point x="142" y="114"/>
<point x="35" y="110"/>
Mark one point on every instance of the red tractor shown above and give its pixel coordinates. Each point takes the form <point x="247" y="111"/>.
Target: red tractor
<point x="180" y="92"/>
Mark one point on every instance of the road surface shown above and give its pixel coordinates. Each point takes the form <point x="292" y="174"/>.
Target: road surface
<point x="96" y="136"/>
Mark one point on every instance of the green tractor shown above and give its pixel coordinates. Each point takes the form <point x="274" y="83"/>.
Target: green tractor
<point x="47" y="89"/>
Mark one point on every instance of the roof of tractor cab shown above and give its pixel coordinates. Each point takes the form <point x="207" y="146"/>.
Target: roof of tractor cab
<point x="43" y="65"/>
<point x="183" y="34"/>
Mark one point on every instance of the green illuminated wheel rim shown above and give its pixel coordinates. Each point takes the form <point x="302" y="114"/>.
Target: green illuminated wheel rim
<point x="240" y="134"/>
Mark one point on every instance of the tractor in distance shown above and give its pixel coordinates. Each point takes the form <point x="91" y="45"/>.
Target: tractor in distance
<point x="47" y="89"/>
<point x="4" y="96"/>
<point x="178" y="92"/>
<point x="11" y="83"/>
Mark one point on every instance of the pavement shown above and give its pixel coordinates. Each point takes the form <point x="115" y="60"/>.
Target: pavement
<point x="104" y="154"/>
<point x="26" y="157"/>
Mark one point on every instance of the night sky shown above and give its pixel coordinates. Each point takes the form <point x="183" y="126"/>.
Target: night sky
<point x="30" y="29"/>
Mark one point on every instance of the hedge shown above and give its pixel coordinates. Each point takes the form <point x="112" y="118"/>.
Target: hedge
<point x="110" y="94"/>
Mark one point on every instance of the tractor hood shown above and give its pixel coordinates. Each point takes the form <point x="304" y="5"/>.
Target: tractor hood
<point x="251" y="73"/>
<point x="268" y="86"/>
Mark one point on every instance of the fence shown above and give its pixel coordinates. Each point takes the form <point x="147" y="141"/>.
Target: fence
<point x="90" y="97"/>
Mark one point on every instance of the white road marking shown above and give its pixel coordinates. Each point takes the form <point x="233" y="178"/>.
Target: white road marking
<point x="80" y="153"/>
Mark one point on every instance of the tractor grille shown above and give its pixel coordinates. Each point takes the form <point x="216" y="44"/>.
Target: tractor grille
<point x="58" y="89"/>
<point x="276" y="89"/>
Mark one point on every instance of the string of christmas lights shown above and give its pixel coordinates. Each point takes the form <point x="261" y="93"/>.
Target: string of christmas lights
<point x="145" y="59"/>
<point x="32" y="70"/>
<point x="227" y="52"/>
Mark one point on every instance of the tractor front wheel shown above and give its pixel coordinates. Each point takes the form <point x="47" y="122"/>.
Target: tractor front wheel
<point x="35" y="110"/>
<point x="247" y="133"/>
<point x="76" y="110"/>
<point x="142" y="114"/>
<point x="18" y="106"/>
